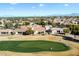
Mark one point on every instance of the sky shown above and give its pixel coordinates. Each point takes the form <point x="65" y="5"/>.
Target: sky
<point x="37" y="9"/>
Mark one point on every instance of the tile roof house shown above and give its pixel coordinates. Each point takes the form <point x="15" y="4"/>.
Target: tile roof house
<point x="6" y="31"/>
<point x="21" y="29"/>
<point x="38" y="28"/>
<point x="24" y="28"/>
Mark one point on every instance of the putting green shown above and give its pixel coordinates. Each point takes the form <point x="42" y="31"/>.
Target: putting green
<point x="32" y="46"/>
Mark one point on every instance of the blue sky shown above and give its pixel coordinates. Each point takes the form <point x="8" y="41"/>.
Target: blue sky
<point x="37" y="9"/>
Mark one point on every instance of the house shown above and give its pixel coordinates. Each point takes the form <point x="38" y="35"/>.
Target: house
<point x="6" y="31"/>
<point x="17" y="31"/>
<point x="38" y="29"/>
<point x="77" y="21"/>
<point x="57" y="20"/>
<point x="21" y="30"/>
<point x="57" y="31"/>
<point x="47" y="27"/>
<point x="23" y="27"/>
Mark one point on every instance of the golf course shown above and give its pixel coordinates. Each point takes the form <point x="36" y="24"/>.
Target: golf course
<point x="32" y="46"/>
<point x="38" y="45"/>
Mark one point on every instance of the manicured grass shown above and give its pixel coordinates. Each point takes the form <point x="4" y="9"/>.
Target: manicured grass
<point x="32" y="46"/>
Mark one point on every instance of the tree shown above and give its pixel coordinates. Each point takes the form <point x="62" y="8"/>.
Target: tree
<point x="26" y="23"/>
<point x="49" y="31"/>
<point x="49" y="23"/>
<point x="74" y="29"/>
<point x="16" y="25"/>
<point x="8" y="25"/>
<point x="0" y="23"/>
<point x="41" y="23"/>
<point x="28" y="32"/>
<point x="66" y="30"/>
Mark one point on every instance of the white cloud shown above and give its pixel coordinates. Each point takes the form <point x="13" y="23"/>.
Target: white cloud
<point x="33" y="7"/>
<point x="13" y="3"/>
<point x="66" y="4"/>
<point x="41" y="5"/>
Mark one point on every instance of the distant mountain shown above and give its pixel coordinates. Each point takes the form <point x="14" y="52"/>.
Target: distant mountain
<point x="72" y="14"/>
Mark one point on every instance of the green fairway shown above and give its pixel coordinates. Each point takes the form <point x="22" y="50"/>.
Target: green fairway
<point x="32" y="46"/>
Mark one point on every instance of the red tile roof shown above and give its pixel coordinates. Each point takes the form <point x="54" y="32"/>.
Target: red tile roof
<point x="23" y="28"/>
<point x="38" y="28"/>
<point x="6" y="30"/>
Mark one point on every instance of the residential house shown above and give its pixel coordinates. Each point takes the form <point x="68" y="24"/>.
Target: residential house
<point x="57" y="31"/>
<point x="47" y="27"/>
<point x="6" y="31"/>
<point x="21" y="30"/>
<point x="38" y="29"/>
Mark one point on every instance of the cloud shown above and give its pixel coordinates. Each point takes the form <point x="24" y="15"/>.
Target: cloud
<point x="66" y="4"/>
<point x="41" y="5"/>
<point x="33" y="7"/>
<point x="13" y="3"/>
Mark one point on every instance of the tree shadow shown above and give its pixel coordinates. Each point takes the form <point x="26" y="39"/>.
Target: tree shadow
<point x="70" y="39"/>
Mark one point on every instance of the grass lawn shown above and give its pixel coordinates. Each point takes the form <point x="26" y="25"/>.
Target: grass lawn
<point x="32" y="46"/>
